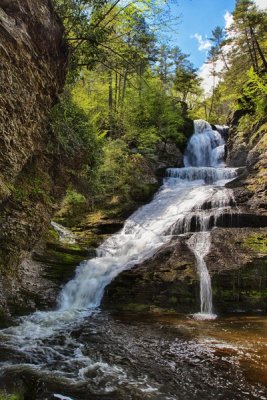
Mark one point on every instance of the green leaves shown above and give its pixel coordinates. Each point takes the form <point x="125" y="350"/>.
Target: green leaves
<point x="74" y="135"/>
<point x="243" y="52"/>
<point x="255" y="94"/>
<point x="123" y="98"/>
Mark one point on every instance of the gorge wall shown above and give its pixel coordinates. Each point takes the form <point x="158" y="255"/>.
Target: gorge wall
<point x="247" y="147"/>
<point x="33" y="59"/>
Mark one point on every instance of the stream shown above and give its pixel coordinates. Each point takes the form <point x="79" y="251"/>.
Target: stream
<point x="80" y="352"/>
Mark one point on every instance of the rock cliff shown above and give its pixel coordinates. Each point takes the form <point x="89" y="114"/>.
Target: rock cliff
<point x="33" y="59"/>
<point x="247" y="147"/>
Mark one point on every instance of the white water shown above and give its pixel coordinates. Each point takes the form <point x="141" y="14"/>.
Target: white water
<point x="181" y="198"/>
<point x="206" y="148"/>
<point x="65" y="235"/>
<point x="194" y="191"/>
<point x="199" y="243"/>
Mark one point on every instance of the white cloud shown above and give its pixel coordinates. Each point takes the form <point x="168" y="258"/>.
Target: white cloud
<point x="261" y="4"/>
<point x="228" y="17"/>
<point x="205" y="73"/>
<point x="204" y="44"/>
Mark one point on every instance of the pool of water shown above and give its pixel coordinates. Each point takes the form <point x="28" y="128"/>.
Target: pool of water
<point x="130" y="356"/>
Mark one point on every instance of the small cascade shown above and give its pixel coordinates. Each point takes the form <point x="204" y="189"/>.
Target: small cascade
<point x="199" y="243"/>
<point x="209" y="175"/>
<point x="205" y="148"/>
<point x="204" y="216"/>
<point x="65" y="235"/>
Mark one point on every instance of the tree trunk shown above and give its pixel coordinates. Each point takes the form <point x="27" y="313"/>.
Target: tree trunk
<point x="252" y="56"/>
<point x="124" y="88"/>
<point x="110" y="101"/>
<point x="116" y="93"/>
<point x="254" y="39"/>
<point x="213" y="92"/>
<point x="224" y="61"/>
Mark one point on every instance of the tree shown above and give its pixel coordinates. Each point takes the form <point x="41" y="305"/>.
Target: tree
<point x="250" y="26"/>
<point x="219" y="40"/>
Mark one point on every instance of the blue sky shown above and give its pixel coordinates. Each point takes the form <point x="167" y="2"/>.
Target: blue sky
<point x="198" y="17"/>
<point x="191" y="34"/>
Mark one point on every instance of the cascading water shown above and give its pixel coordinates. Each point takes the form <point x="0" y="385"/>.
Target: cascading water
<point x="199" y="243"/>
<point x="204" y="159"/>
<point x="193" y="193"/>
<point x="64" y="234"/>
<point x="182" y="196"/>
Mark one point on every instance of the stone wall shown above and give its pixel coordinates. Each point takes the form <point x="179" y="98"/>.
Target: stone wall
<point x="33" y="61"/>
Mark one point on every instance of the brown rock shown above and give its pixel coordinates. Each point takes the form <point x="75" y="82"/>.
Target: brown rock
<point x="33" y="59"/>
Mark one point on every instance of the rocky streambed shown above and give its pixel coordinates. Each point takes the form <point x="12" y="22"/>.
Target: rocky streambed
<point x="129" y="356"/>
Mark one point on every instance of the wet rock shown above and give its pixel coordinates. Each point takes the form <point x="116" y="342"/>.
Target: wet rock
<point x="168" y="155"/>
<point x="239" y="275"/>
<point x="169" y="280"/>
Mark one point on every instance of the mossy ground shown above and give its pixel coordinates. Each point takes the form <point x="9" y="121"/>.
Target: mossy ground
<point x="14" y="396"/>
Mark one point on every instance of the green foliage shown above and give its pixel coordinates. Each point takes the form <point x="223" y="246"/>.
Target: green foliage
<point x="257" y="242"/>
<point x="255" y="93"/>
<point x="77" y="143"/>
<point x="93" y="34"/>
<point x="34" y="185"/>
<point x="14" y="396"/>
<point x="245" y="123"/>
<point x="73" y="197"/>
<point x="74" y="136"/>
<point x="243" y="52"/>
<point x="123" y="101"/>
<point x="152" y="117"/>
<point x="119" y="177"/>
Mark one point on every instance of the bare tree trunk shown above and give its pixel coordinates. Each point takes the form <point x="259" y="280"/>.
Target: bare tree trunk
<point x="252" y="57"/>
<point x="224" y="60"/>
<point x="124" y="87"/>
<point x="254" y="49"/>
<point x="213" y="92"/>
<point x="255" y="41"/>
<point x="206" y="111"/>
<point x="116" y="93"/>
<point x="110" y="101"/>
<point x="119" y="91"/>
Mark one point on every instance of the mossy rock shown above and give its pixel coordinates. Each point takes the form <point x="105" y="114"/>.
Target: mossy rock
<point x="242" y="289"/>
<point x="257" y="242"/>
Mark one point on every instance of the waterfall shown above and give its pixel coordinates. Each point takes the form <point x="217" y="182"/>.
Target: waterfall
<point x="190" y="200"/>
<point x="192" y="193"/>
<point x="205" y="148"/>
<point x="204" y="159"/>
